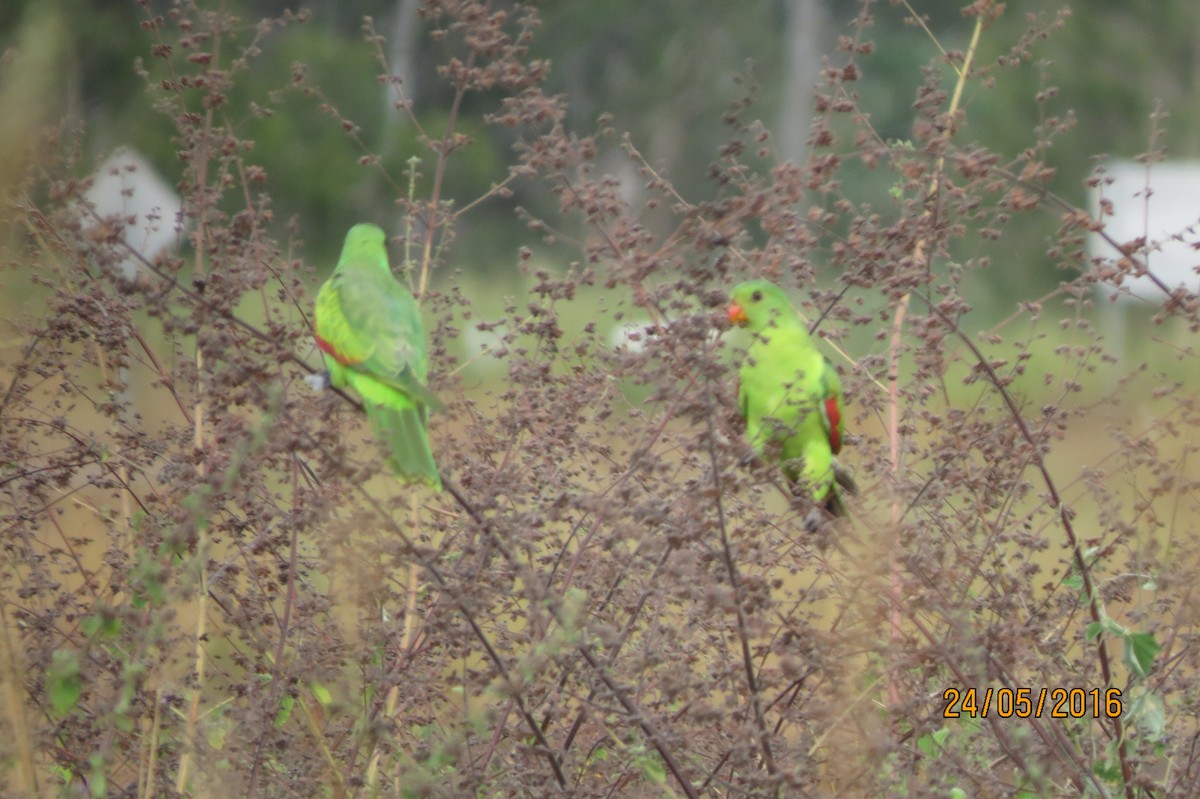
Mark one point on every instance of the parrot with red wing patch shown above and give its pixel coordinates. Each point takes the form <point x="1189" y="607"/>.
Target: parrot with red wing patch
<point x="368" y="327"/>
<point x="790" y="396"/>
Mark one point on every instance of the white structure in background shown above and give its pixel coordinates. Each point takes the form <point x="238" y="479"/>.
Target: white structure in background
<point x="1162" y="204"/>
<point x="126" y="184"/>
<point x="479" y="347"/>
<point x="630" y="336"/>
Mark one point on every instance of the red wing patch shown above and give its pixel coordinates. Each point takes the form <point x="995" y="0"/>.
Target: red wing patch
<point x="833" y="418"/>
<point x="326" y="347"/>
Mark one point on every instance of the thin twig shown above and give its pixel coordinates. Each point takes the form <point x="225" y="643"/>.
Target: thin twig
<point x="764" y="740"/>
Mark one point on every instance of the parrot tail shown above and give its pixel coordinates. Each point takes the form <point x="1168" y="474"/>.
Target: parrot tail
<point x="843" y="478"/>
<point x="403" y="432"/>
<point x="833" y="505"/>
<point x="834" y="502"/>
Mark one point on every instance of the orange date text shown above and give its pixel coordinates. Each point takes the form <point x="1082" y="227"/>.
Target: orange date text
<point x="1054" y="703"/>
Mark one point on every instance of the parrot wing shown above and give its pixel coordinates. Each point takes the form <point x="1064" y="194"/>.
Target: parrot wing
<point x="375" y="327"/>
<point x="831" y="406"/>
<point x="369" y="328"/>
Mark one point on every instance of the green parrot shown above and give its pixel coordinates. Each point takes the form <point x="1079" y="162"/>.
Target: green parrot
<point x="368" y="327"/>
<point x="790" y="396"/>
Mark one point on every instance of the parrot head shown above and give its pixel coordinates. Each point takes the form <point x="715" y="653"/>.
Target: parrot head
<point x="364" y="235"/>
<point x="757" y="303"/>
<point x="365" y="244"/>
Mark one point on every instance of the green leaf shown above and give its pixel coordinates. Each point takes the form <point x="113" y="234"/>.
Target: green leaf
<point x="1149" y="713"/>
<point x="110" y="626"/>
<point x="63" y="683"/>
<point x="1106" y="625"/>
<point x="285" y="711"/>
<point x="1140" y="651"/>
<point x="1109" y="770"/>
<point x="97" y="780"/>
<point x="1111" y="626"/>
<point x="932" y="743"/>
<point x="146" y="581"/>
<point x="215" y="735"/>
<point x="322" y="694"/>
<point x="651" y="768"/>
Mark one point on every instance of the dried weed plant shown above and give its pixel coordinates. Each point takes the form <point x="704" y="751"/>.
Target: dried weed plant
<point x="209" y="587"/>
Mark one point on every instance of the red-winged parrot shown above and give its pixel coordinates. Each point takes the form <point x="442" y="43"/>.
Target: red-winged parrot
<point x="789" y="395"/>
<point x="368" y="327"/>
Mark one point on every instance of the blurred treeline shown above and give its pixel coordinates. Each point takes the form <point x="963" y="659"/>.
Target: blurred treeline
<point x="666" y="71"/>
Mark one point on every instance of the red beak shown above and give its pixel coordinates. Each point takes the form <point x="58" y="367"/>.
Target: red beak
<point x="737" y="316"/>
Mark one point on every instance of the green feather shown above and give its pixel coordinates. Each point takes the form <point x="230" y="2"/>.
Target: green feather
<point x="369" y="327"/>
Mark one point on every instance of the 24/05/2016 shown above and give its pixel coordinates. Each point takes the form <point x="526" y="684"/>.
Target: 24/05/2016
<point x="1073" y="703"/>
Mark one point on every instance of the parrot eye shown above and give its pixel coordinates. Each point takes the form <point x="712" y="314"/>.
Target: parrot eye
<point x="756" y="296"/>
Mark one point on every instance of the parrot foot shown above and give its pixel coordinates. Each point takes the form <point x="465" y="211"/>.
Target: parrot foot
<point x="318" y="381"/>
<point x="814" y="520"/>
<point x="749" y="459"/>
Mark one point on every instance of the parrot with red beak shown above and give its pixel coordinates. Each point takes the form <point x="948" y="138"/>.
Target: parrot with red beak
<point x="790" y="397"/>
